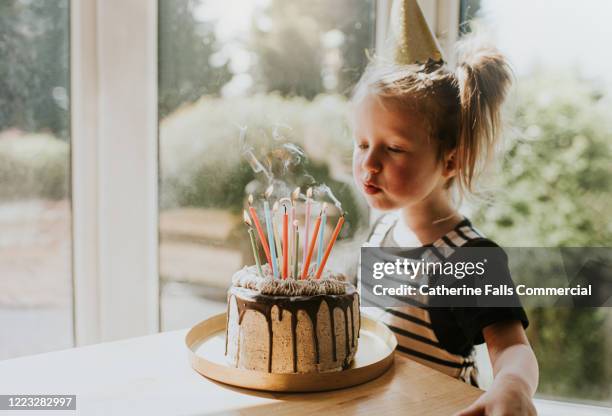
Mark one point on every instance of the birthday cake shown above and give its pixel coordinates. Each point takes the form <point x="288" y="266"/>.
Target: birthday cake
<point x="291" y="325"/>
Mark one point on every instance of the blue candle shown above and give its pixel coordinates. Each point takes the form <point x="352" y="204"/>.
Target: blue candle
<point x="271" y="238"/>
<point x="321" y="235"/>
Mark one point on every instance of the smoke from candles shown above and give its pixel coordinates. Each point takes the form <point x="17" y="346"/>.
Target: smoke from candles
<point x="284" y="187"/>
<point x="280" y="169"/>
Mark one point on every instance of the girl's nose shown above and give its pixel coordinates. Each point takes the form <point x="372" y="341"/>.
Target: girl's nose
<point x="371" y="163"/>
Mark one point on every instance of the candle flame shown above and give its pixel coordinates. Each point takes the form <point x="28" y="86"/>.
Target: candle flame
<point x="250" y="199"/>
<point x="247" y="219"/>
<point x="323" y="208"/>
<point x="275" y="206"/>
<point x="296" y="223"/>
<point x="309" y="193"/>
<point x="295" y="194"/>
<point x="269" y="191"/>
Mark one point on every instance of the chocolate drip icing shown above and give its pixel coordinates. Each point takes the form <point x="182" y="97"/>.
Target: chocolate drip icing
<point x="293" y="338"/>
<point x="312" y="314"/>
<point x="346" y="334"/>
<point x="333" y="329"/>
<point x="309" y="304"/>
<point x="352" y="326"/>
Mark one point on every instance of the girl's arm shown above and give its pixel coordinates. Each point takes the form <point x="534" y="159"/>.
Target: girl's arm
<point x="515" y="371"/>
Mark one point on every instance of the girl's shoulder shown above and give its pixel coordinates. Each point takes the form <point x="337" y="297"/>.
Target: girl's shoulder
<point x="464" y="234"/>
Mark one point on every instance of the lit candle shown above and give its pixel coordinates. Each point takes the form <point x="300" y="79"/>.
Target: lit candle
<point x="294" y="196"/>
<point x="277" y="241"/>
<point x="330" y="245"/>
<point x="306" y="264"/>
<point x="285" y="243"/>
<point x="321" y="234"/>
<point x="273" y="263"/>
<point x="262" y="236"/>
<point x="247" y="221"/>
<point x="307" y="222"/>
<point x="296" y="242"/>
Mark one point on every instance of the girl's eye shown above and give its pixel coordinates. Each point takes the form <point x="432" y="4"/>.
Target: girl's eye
<point x="362" y="146"/>
<point x="395" y="149"/>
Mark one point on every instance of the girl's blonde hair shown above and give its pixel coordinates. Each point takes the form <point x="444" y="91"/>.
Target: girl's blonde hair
<point x="461" y="107"/>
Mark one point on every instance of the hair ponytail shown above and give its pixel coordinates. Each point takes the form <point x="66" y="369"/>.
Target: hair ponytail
<point x="483" y="78"/>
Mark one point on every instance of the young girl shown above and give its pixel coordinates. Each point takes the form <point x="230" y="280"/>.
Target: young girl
<point x="423" y="133"/>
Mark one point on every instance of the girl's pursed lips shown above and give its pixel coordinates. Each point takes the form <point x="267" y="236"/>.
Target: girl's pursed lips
<point x="370" y="188"/>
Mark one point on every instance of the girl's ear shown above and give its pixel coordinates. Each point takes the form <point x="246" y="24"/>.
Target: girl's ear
<point x="449" y="168"/>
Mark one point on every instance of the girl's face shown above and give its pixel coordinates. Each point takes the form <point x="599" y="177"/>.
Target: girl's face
<point x="395" y="162"/>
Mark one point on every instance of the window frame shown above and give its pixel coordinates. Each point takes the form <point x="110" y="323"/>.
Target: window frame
<point x="114" y="169"/>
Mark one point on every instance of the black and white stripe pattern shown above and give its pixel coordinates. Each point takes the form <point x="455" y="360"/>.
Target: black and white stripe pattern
<point x="411" y="323"/>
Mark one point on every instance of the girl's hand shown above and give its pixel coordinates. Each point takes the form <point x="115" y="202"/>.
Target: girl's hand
<point x="508" y="396"/>
<point x="516" y="373"/>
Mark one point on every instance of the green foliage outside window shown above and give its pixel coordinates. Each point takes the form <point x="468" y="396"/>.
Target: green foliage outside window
<point x="34" y="74"/>
<point x="202" y="163"/>
<point x="554" y="189"/>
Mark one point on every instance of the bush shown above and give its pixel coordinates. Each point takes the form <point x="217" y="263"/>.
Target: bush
<point x="33" y="166"/>
<point x="200" y="152"/>
<point x="554" y="189"/>
<point x="555" y="183"/>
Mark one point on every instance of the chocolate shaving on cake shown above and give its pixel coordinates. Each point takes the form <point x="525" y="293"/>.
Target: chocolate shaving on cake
<point x="328" y="284"/>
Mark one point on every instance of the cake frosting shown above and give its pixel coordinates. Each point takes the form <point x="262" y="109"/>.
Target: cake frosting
<point x="291" y="326"/>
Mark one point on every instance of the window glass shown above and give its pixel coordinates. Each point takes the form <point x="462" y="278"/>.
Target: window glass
<point x="284" y="70"/>
<point x="35" y="214"/>
<point x="556" y="178"/>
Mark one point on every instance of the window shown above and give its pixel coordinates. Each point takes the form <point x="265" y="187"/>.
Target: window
<point x="35" y="204"/>
<point x="281" y="68"/>
<point x="556" y="173"/>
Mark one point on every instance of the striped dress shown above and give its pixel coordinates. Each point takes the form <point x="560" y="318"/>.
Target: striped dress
<point x="416" y="334"/>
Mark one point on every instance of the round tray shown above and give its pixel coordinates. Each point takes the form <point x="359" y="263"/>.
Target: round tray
<point x="206" y="343"/>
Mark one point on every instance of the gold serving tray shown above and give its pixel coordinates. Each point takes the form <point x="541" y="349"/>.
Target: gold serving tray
<point x="206" y="343"/>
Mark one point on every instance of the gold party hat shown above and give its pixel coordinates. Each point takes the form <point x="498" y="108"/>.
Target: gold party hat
<point x="410" y="39"/>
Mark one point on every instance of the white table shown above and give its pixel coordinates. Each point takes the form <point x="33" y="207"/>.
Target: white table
<point x="151" y="376"/>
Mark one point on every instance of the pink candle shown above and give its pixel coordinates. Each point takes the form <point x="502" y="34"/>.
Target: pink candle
<point x="285" y="243"/>
<point x="292" y="249"/>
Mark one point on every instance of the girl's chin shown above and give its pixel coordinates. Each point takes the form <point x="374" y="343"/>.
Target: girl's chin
<point x="381" y="203"/>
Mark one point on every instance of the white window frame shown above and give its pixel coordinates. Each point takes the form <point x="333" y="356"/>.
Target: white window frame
<point x="114" y="168"/>
<point x="115" y="160"/>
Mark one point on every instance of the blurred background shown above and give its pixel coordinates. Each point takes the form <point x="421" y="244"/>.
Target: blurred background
<point x="271" y="63"/>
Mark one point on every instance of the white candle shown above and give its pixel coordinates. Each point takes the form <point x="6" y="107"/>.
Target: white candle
<point x="307" y="223"/>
